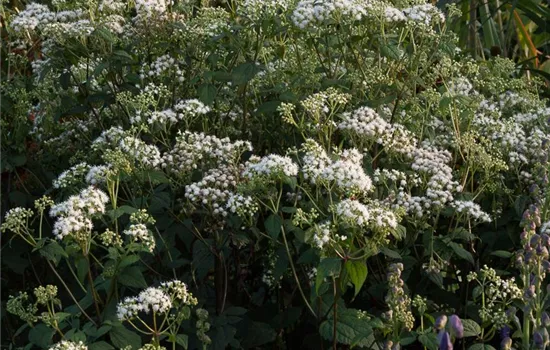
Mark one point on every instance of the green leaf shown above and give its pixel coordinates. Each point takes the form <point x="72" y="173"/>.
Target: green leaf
<point x="461" y="252"/>
<point x="258" y="334"/>
<point x="471" y="328"/>
<point x="41" y="335"/>
<point x="100" y="345"/>
<point x="429" y="340"/>
<point x="203" y="260"/>
<point x="502" y="254"/>
<point x="53" y="252"/>
<point x="244" y="72"/>
<point x="65" y="80"/>
<point x="122" y="337"/>
<point x="327" y="267"/>
<point x="128" y="260"/>
<point x="352" y="328"/>
<point x="481" y="347"/>
<point x="273" y="225"/>
<point x="207" y="93"/>
<point x="82" y="267"/>
<point x="123" y="55"/>
<point x="357" y="272"/>
<point x="182" y="340"/>
<point x="132" y="277"/>
<point x="124" y="209"/>
<point x="391" y="51"/>
<point x="390" y="253"/>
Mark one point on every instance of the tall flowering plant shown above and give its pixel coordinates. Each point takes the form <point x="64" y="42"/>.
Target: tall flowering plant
<point x="288" y="174"/>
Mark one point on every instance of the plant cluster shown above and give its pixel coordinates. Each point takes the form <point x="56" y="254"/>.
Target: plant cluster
<point x="282" y="174"/>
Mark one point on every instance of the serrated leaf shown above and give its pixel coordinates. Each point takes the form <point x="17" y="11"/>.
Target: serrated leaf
<point x="429" y="340"/>
<point x="132" y="277"/>
<point x="461" y="252"/>
<point x="100" y="345"/>
<point x="357" y="272"/>
<point x="182" y="340"/>
<point x="471" y="328"/>
<point x="244" y="72"/>
<point x="41" y="335"/>
<point x="273" y="225"/>
<point x="327" y="267"/>
<point x="122" y="337"/>
<point x="351" y="328"/>
<point x="53" y="252"/>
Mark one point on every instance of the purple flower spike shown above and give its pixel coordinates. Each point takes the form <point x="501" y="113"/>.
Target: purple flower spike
<point x="456" y="326"/>
<point x="445" y="341"/>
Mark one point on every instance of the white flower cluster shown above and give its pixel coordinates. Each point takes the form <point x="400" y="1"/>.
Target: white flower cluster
<point x="149" y="300"/>
<point x="472" y="210"/>
<point x="382" y="219"/>
<point x="308" y="13"/>
<point x="108" y="138"/>
<point x="214" y="189"/>
<point x="71" y="176"/>
<point x="322" y="233"/>
<point x="365" y="122"/>
<point x="353" y="212"/>
<point x="461" y="87"/>
<point x="113" y="6"/>
<point x="97" y="174"/>
<point x="74" y="215"/>
<point x="68" y="345"/>
<point x="257" y="9"/>
<point x="164" y="64"/>
<point x="32" y="17"/>
<point x="272" y="165"/>
<point x="146" y="9"/>
<point x="140" y="234"/>
<point x="392" y="14"/>
<point x="425" y="14"/>
<point x="347" y="173"/>
<point x="314" y="160"/>
<point x="191" y="108"/>
<point x="193" y="150"/>
<point x="148" y="155"/>
<point x="156" y="299"/>
<point x="243" y="206"/>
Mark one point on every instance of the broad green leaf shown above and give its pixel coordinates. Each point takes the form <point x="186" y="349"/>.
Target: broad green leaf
<point x="352" y="328"/>
<point x="100" y="345"/>
<point x="53" y="252"/>
<point x="132" y="277"/>
<point x="429" y="340"/>
<point x="244" y="72"/>
<point x="41" y="335"/>
<point x="357" y="272"/>
<point x="327" y="267"/>
<point x="471" y="328"/>
<point x="122" y="337"/>
<point x="82" y="267"/>
<point x="461" y="252"/>
<point x="502" y="254"/>
<point x="207" y="93"/>
<point x="273" y="225"/>
<point x="182" y="340"/>
<point x="258" y="334"/>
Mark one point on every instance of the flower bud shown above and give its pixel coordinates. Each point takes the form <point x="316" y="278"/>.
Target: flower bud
<point x="530" y="292"/>
<point x="440" y="322"/>
<point x="456" y="326"/>
<point x="538" y="340"/>
<point x="546" y="265"/>
<point x="545" y="319"/>
<point x="506" y="343"/>
<point x="505" y="331"/>
<point x="535" y="240"/>
<point x="445" y="341"/>
<point x="388" y="345"/>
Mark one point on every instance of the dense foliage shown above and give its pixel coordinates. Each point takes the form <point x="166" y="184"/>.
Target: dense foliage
<point x="267" y="174"/>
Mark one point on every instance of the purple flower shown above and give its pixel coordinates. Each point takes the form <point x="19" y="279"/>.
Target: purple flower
<point x="538" y="340"/>
<point x="456" y="326"/>
<point x="506" y="343"/>
<point x="445" y="341"/>
<point x="545" y="319"/>
<point x="440" y="322"/>
<point x="505" y="332"/>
